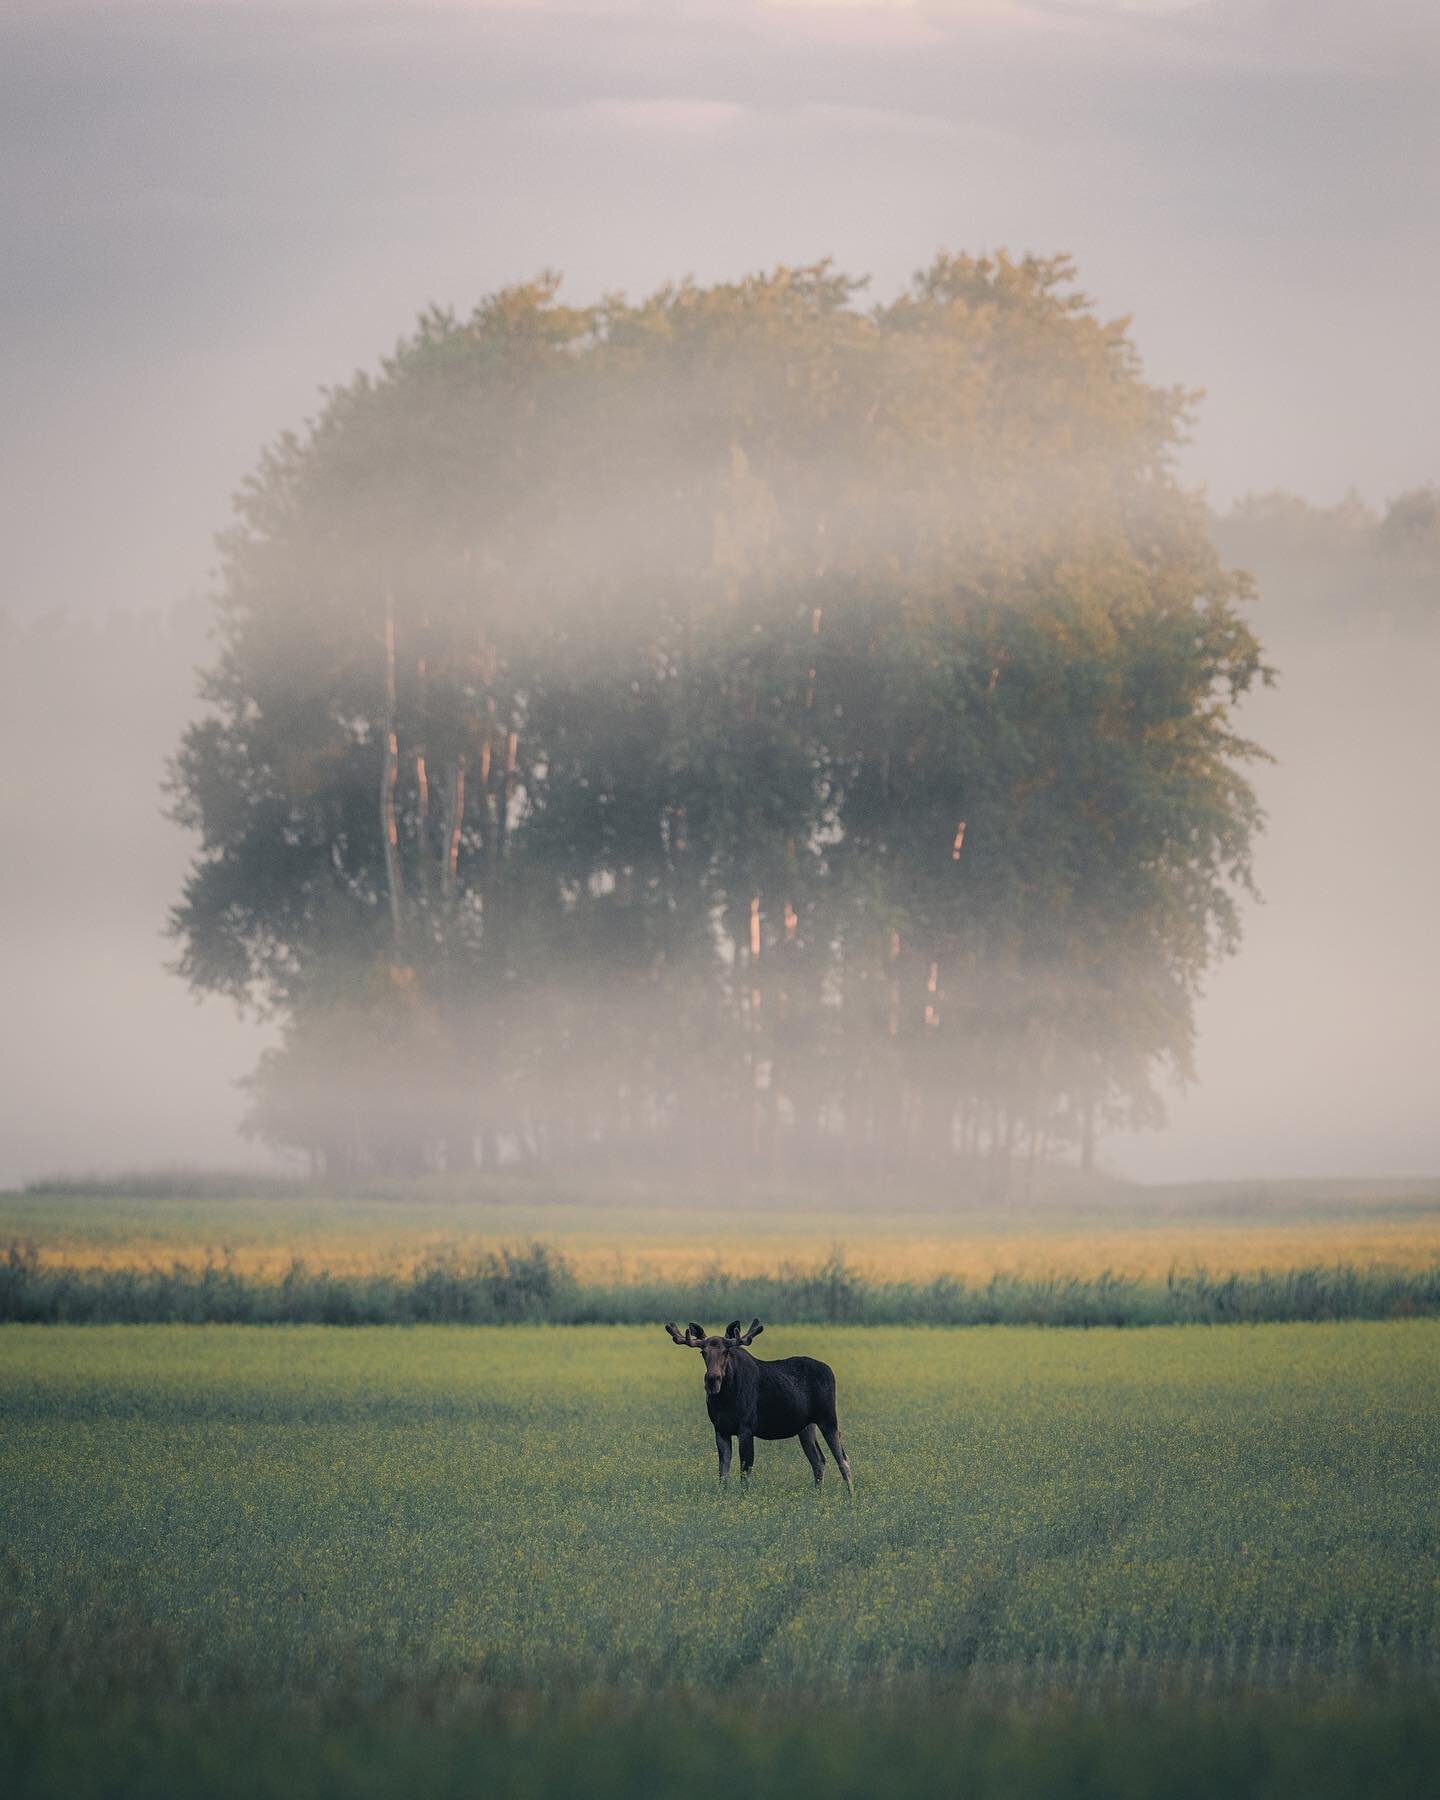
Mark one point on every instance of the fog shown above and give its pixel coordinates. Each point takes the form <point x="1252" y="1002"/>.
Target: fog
<point x="109" y="1062"/>
<point x="210" y="209"/>
<point x="1320" y="1042"/>
<point x="213" y="211"/>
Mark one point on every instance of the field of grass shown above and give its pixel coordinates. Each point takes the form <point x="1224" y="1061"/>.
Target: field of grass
<point x="498" y="1528"/>
<point x="286" y="1560"/>
<point x="609" y="1235"/>
<point x="1326" y="1746"/>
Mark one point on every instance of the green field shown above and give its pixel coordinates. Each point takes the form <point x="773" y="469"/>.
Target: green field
<point x="470" y="1524"/>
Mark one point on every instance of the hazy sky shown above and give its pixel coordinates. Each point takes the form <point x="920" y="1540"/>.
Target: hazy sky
<point x="208" y="211"/>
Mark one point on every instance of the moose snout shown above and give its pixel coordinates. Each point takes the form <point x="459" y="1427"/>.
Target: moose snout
<point x="712" y="1384"/>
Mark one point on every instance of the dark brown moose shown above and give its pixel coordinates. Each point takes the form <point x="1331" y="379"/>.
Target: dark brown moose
<point x="749" y="1399"/>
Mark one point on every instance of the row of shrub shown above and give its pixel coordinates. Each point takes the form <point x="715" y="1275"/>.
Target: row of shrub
<point x="535" y="1284"/>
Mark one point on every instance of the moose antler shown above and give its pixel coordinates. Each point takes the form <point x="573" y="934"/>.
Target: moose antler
<point x="689" y="1337"/>
<point x="736" y="1336"/>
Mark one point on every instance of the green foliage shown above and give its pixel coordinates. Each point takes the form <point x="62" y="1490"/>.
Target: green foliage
<point x="534" y="1284"/>
<point x="733" y="717"/>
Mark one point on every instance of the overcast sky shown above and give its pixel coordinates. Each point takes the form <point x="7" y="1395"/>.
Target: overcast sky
<point x="210" y="210"/>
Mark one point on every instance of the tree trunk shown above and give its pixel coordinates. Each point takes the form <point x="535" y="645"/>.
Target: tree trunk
<point x="512" y="745"/>
<point x="422" y="790"/>
<point x="389" y="771"/>
<point x="454" y="821"/>
<point x="1031" y="1153"/>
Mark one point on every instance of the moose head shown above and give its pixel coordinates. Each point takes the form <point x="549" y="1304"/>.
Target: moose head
<point x="717" y="1351"/>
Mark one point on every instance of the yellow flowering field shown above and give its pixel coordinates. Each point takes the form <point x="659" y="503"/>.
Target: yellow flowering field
<point x="611" y="1242"/>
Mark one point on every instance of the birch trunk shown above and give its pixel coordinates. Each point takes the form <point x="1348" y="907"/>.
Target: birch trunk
<point x="422" y="789"/>
<point x="455" y="819"/>
<point x="389" y="773"/>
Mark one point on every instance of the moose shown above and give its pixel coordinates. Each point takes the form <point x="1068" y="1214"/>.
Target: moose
<point x="792" y="1397"/>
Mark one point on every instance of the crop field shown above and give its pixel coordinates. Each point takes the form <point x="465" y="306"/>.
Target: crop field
<point x="470" y="1548"/>
<point x="608" y="1239"/>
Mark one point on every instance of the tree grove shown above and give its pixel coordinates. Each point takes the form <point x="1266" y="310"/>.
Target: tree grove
<point x="742" y="720"/>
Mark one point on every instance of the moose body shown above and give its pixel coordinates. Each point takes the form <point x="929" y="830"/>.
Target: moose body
<point x="749" y="1399"/>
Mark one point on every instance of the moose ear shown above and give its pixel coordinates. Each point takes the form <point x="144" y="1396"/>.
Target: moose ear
<point x="732" y="1331"/>
<point x="755" y="1329"/>
<point x="694" y="1334"/>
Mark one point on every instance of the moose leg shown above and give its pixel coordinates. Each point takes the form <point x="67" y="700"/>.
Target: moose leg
<point x="837" y="1450"/>
<point x="722" y="1446"/>
<point x="747" y="1453"/>
<point x="814" y="1455"/>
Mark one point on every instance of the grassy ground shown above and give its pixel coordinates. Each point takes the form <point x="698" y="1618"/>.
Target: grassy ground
<point x="290" y="1561"/>
<point x="1360" y="1746"/>
<point x="281" y="1511"/>
<point x="609" y="1235"/>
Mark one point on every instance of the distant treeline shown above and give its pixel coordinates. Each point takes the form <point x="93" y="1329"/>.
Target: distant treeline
<point x="1337" y="568"/>
<point x="535" y="1286"/>
<point x="184" y="1184"/>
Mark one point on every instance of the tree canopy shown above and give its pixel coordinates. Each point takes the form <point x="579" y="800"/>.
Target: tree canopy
<point x="741" y="719"/>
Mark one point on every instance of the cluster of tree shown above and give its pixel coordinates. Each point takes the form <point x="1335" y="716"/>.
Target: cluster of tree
<point x="739" y="722"/>
<point x="1339" y="568"/>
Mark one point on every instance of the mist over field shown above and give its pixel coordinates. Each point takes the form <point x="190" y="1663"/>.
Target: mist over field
<point x="679" y="661"/>
<point x="1317" y="1043"/>
<point x="209" y="228"/>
